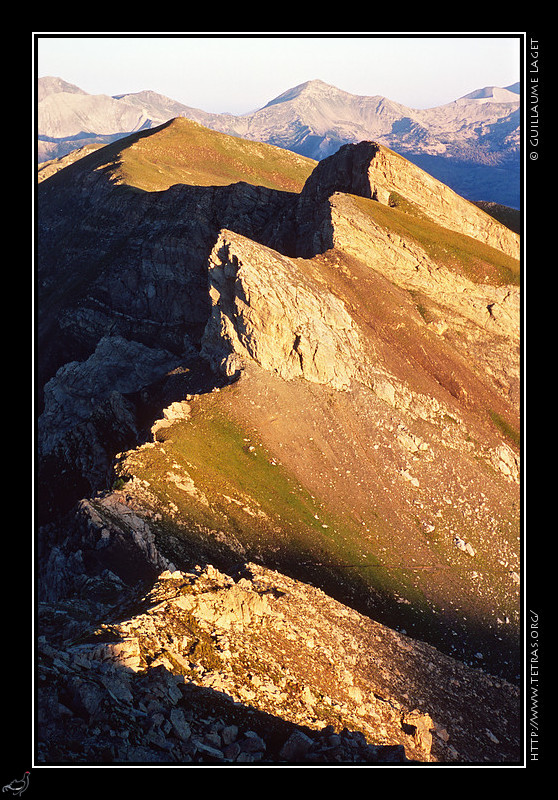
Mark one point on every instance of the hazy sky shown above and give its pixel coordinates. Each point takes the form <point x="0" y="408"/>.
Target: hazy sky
<point x="242" y="72"/>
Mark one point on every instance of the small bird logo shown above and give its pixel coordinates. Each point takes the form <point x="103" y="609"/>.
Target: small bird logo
<point x="17" y="787"/>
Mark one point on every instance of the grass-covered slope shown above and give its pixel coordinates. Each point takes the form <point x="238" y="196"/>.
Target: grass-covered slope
<point x="183" y="151"/>
<point x="473" y="259"/>
<point x="323" y="485"/>
<point x="226" y="491"/>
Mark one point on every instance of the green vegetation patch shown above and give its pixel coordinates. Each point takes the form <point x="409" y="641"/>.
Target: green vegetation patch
<point x="223" y="497"/>
<point x="421" y="304"/>
<point x="505" y="428"/>
<point x="186" y="152"/>
<point x="224" y="486"/>
<point x="246" y="491"/>
<point x="475" y="260"/>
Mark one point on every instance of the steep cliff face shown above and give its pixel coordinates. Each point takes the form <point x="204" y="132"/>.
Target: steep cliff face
<point x="370" y="170"/>
<point x="133" y="263"/>
<point x="122" y="273"/>
<point x="324" y="382"/>
<point x="265" y="309"/>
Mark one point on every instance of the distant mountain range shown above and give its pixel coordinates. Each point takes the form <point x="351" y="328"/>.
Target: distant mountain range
<point x="471" y="144"/>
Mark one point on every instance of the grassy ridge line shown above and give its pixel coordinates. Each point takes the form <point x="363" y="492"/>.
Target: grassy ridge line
<point x="220" y="492"/>
<point x="186" y="152"/>
<point x="469" y="257"/>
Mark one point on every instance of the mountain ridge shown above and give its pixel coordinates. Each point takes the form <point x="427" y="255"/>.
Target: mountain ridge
<point x="269" y="416"/>
<point x="485" y="139"/>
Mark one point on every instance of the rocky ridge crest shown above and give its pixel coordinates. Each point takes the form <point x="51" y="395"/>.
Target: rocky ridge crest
<point x="370" y="170"/>
<point x="211" y="281"/>
<point x="266" y="310"/>
<point x="205" y="667"/>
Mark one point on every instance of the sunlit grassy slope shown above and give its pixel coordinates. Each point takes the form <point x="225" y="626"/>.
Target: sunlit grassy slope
<point x="225" y="488"/>
<point x="220" y="492"/>
<point x="217" y="489"/>
<point x="183" y="151"/>
<point x="473" y="259"/>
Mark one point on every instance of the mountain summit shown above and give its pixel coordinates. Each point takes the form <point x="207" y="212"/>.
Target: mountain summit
<point x="494" y="94"/>
<point x="315" y="90"/>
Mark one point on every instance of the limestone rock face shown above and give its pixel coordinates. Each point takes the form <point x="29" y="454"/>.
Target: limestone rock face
<point x="265" y="308"/>
<point x="371" y="170"/>
<point x="495" y="309"/>
<point x="133" y="264"/>
<point x="117" y="366"/>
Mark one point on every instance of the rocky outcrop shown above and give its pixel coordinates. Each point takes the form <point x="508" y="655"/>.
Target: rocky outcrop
<point x="407" y="262"/>
<point x="136" y="264"/>
<point x="201" y="666"/>
<point x="117" y="367"/>
<point x="115" y="260"/>
<point x="124" y="300"/>
<point x="266" y="309"/>
<point x="372" y="171"/>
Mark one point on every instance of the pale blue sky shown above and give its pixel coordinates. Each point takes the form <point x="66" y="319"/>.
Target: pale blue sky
<point x="242" y="72"/>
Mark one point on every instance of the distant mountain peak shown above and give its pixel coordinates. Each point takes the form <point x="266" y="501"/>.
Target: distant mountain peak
<point x="314" y="119"/>
<point x="494" y="94"/>
<point x="142" y="93"/>
<point x="53" y="85"/>
<point x="312" y="87"/>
